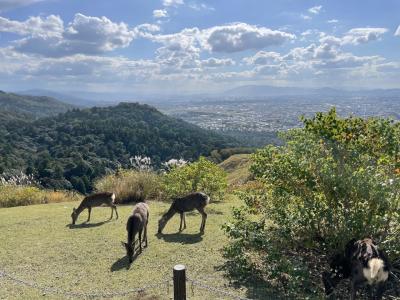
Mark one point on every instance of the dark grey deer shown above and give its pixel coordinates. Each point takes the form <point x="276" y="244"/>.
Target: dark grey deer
<point x="93" y="201"/>
<point x="181" y="205"/>
<point x="137" y="223"/>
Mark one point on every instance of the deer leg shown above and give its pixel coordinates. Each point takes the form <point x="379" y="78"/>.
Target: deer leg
<point x="112" y="212"/>
<point x="184" y="221"/>
<point x="203" y="219"/>
<point x="145" y="234"/>
<point x="89" y="212"/>
<point x="116" y="212"/>
<point x="140" y="240"/>
<point x="180" y="227"/>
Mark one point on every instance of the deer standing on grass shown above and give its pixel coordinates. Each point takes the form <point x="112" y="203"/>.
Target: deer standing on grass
<point x="93" y="201"/>
<point x="181" y="205"/>
<point x="137" y="223"/>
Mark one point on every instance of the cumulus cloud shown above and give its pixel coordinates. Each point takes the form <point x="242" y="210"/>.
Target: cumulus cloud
<point x="86" y="35"/>
<point x="397" y="33"/>
<point x="315" y="9"/>
<point x="357" y="36"/>
<point x="241" y="36"/>
<point x="51" y="26"/>
<point x="263" y="58"/>
<point x="160" y="13"/>
<point x="172" y="2"/>
<point x="213" y="62"/>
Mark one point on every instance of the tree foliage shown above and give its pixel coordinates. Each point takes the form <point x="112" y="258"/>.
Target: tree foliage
<point x="333" y="180"/>
<point x="200" y="176"/>
<point x="72" y="149"/>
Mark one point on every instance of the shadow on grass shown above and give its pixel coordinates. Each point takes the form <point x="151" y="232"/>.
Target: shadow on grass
<point x="122" y="263"/>
<point x="86" y="225"/>
<point x="256" y="287"/>
<point x="182" y="238"/>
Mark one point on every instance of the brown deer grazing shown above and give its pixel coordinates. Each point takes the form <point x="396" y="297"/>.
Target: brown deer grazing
<point x="93" y="201"/>
<point x="181" y="205"/>
<point x="137" y="223"/>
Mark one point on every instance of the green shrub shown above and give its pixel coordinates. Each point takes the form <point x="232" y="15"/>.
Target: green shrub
<point x="131" y="185"/>
<point x="333" y="180"/>
<point x="200" y="176"/>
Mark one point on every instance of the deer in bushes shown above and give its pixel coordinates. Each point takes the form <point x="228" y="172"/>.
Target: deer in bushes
<point x="94" y="200"/>
<point x="363" y="263"/>
<point x="184" y="204"/>
<point x="137" y="224"/>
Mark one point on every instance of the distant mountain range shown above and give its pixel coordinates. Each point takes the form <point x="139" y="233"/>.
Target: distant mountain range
<point x="69" y="99"/>
<point x="20" y="106"/>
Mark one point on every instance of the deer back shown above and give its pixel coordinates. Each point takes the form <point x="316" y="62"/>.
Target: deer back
<point x="98" y="199"/>
<point x="190" y="202"/>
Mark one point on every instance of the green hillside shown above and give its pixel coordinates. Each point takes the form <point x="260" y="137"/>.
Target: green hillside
<point x="34" y="106"/>
<point x="72" y="149"/>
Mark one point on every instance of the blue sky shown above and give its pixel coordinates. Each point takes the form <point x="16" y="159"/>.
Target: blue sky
<point x="193" y="46"/>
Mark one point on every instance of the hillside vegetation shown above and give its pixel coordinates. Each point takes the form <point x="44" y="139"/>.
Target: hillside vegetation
<point x="70" y="150"/>
<point x="237" y="169"/>
<point x="332" y="180"/>
<point x="32" y="106"/>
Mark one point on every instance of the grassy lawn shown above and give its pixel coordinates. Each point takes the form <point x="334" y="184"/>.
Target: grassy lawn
<point x="38" y="245"/>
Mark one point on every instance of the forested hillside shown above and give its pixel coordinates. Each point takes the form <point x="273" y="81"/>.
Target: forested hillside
<point x="34" y="106"/>
<point x="72" y="149"/>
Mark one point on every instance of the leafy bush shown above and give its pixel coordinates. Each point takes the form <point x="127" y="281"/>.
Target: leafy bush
<point x="333" y="180"/>
<point x="200" y="176"/>
<point x="131" y="185"/>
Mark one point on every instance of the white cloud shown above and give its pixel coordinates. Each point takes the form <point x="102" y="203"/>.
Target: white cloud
<point x="305" y="17"/>
<point x="85" y="35"/>
<point x="200" y="6"/>
<point x="213" y="62"/>
<point x="51" y="26"/>
<point x="357" y="36"/>
<point x="10" y="4"/>
<point x="241" y="36"/>
<point x="263" y="58"/>
<point x="172" y="2"/>
<point x="160" y="13"/>
<point x="315" y="9"/>
<point x="397" y="33"/>
<point x="332" y="21"/>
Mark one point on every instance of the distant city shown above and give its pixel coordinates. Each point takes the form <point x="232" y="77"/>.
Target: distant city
<point x="275" y="113"/>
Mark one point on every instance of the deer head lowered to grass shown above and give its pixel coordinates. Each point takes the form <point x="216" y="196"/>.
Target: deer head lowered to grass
<point x="94" y="200"/>
<point x="181" y="205"/>
<point x="137" y="223"/>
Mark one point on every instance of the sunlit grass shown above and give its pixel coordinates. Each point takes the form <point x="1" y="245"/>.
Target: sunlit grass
<point x="37" y="244"/>
<point x="21" y="195"/>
